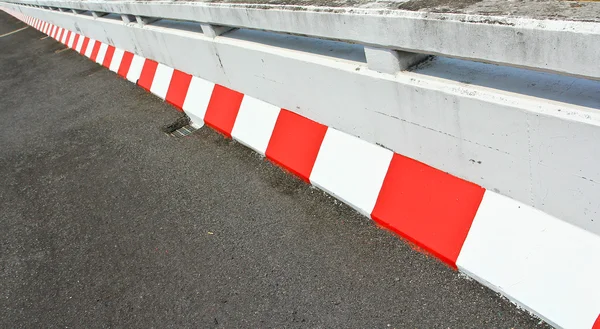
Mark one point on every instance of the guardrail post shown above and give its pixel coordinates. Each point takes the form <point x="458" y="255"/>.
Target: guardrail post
<point x="142" y="20"/>
<point x="127" y="18"/>
<point x="97" y="14"/>
<point x="212" y="31"/>
<point x="391" y="61"/>
<point x="77" y="12"/>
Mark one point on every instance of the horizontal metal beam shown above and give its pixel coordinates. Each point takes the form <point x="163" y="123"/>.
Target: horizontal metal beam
<point x="564" y="47"/>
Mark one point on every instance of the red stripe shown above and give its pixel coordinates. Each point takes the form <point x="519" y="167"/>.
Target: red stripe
<point x="597" y="323"/>
<point x="62" y="34"/>
<point x="58" y="33"/>
<point x="110" y="51"/>
<point x="147" y="74"/>
<point x="95" y="51"/>
<point x="125" y="64"/>
<point x="429" y="207"/>
<point x="75" y="41"/>
<point x="180" y="82"/>
<point x="68" y="36"/>
<point x="295" y="143"/>
<point x="222" y="109"/>
<point x="84" y="46"/>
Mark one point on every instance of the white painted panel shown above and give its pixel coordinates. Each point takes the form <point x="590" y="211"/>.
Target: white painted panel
<point x="71" y="40"/>
<point x="90" y="48"/>
<point x="79" y="43"/>
<point x="135" y="69"/>
<point x="351" y="169"/>
<point x="58" y="35"/>
<point x="255" y="123"/>
<point x="116" y="60"/>
<point x="162" y="80"/>
<point x="101" y="53"/>
<point x="63" y="39"/>
<point x="544" y="264"/>
<point x="197" y="99"/>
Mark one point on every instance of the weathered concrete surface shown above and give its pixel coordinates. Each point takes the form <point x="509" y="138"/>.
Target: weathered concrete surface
<point x="520" y="133"/>
<point x="562" y="46"/>
<point x="105" y="221"/>
<point x="587" y="11"/>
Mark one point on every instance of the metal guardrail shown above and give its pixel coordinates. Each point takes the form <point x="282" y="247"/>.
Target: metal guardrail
<point x="557" y="46"/>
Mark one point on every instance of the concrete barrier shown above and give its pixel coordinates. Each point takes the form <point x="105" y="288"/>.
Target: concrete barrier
<point x="520" y="133"/>
<point x="341" y="110"/>
<point x="562" y="46"/>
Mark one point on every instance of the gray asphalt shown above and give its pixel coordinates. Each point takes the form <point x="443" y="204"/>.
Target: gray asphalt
<point x="106" y="221"/>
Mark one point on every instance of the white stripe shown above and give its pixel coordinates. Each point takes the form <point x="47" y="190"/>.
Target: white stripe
<point x="255" y="123"/>
<point x="116" y="60"/>
<point x="71" y="40"/>
<point x="135" y="69"/>
<point x="101" y="53"/>
<point x="351" y="169"/>
<point x="64" y="37"/>
<point x="79" y="43"/>
<point x="196" y="100"/>
<point x="162" y="80"/>
<point x="57" y="34"/>
<point x="90" y="47"/>
<point x="542" y="263"/>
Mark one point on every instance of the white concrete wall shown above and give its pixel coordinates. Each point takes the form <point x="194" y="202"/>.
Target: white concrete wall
<point x="528" y="135"/>
<point x="551" y="45"/>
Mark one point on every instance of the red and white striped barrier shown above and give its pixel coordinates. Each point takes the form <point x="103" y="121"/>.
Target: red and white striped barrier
<point x="543" y="264"/>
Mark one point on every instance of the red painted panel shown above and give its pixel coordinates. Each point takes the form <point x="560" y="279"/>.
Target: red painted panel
<point x="429" y="207"/>
<point x="147" y="75"/>
<point x="222" y="109"/>
<point x="75" y="41"/>
<point x="110" y="51"/>
<point x="295" y="143"/>
<point x="597" y="323"/>
<point x="95" y="50"/>
<point x="125" y="64"/>
<point x="84" y="46"/>
<point x="180" y="82"/>
<point x="67" y="38"/>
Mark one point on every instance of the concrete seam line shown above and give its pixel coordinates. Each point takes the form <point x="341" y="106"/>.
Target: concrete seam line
<point x="502" y="243"/>
<point x="13" y="32"/>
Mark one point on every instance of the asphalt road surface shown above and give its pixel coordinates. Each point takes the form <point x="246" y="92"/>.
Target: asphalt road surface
<point x="105" y="221"/>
